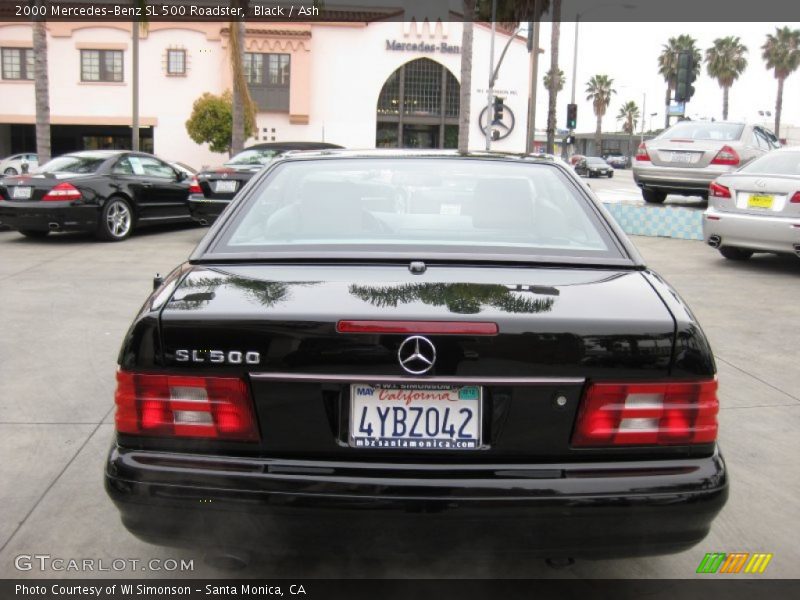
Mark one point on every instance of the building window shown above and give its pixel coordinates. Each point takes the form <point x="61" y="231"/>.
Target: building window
<point x="268" y="76"/>
<point x="418" y="107"/>
<point x="176" y="62"/>
<point x="17" y="63"/>
<point x="101" y="65"/>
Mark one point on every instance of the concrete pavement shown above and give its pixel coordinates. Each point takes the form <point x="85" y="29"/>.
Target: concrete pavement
<point x="67" y="301"/>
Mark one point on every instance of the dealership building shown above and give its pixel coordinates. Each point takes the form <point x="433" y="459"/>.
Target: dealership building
<point x="360" y="80"/>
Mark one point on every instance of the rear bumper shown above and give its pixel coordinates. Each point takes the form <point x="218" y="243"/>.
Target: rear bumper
<point x="44" y="216"/>
<point x="206" y="210"/>
<point x="755" y="232"/>
<point x="578" y="510"/>
<point x="678" y="180"/>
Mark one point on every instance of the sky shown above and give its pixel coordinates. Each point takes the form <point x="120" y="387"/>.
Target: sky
<point x="628" y="53"/>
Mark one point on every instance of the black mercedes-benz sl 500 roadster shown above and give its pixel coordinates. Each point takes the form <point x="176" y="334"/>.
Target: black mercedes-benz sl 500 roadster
<point x="417" y="348"/>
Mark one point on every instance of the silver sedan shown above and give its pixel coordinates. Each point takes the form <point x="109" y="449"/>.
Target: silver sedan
<point x="757" y="208"/>
<point x="688" y="156"/>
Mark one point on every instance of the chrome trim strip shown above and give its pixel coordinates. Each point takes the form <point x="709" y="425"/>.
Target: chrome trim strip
<point x="366" y="378"/>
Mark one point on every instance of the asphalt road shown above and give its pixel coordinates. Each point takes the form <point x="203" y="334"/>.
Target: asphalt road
<point x="67" y="302"/>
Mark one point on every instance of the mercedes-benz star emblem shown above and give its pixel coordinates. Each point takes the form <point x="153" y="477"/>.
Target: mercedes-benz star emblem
<point x="417" y="355"/>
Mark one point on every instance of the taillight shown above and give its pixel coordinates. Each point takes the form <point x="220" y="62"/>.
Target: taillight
<point x="641" y="414"/>
<point x="716" y="190"/>
<point x="726" y="156"/>
<point x="796" y="198"/>
<point x="179" y="406"/>
<point x="641" y="152"/>
<point x="194" y="187"/>
<point x="63" y="192"/>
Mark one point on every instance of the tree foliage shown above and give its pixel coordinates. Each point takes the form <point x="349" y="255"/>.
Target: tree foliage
<point x="211" y="121"/>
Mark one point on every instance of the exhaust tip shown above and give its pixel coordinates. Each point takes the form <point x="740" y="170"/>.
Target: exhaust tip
<point x="54" y="226"/>
<point x="714" y="241"/>
<point x="797" y="250"/>
<point x="203" y="222"/>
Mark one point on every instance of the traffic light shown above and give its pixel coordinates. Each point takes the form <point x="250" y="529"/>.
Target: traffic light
<point x="497" y="116"/>
<point x="684" y="89"/>
<point x="572" y="116"/>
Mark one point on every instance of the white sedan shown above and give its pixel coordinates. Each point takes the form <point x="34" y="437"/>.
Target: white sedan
<point x="756" y="208"/>
<point x="12" y="165"/>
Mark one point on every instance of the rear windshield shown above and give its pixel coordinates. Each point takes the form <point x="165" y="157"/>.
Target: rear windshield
<point x="73" y="164"/>
<point x="253" y="157"/>
<point x="775" y="163"/>
<point x="704" y="130"/>
<point x="435" y="204"/>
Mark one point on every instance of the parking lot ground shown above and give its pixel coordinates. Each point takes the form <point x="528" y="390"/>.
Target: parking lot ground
<point x="622" y="189"/>
<point x="65" y="304"/>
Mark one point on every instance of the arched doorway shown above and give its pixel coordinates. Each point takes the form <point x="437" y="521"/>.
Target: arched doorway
<point x="418" y="107"/>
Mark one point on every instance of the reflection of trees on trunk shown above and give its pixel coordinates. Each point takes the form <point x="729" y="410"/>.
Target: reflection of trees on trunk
<point x="461" y="298"/>
<point x="200" y="290"/>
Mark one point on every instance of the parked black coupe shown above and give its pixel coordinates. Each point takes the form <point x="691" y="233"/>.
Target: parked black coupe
<point x="433" y="350"/>
<point x="213" y="189"/>
<point x="108" y="192"/>
<point x="594" y="166"/>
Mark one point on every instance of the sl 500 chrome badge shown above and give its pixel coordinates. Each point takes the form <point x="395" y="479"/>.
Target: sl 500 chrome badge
<point x="218" y="357"/>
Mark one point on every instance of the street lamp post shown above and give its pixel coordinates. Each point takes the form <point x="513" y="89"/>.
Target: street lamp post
<point x="578" y="16"/>
<point x="490" y="89"/>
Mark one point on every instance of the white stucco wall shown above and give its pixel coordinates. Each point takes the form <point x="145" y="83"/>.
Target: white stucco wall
<point x="349" y="66"/>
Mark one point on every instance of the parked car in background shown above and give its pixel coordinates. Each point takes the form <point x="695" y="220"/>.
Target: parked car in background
<point x="756" y="208"/>
<point x="108" y="192"/>
<point x="618" y="161"/>
<point x="594" y="166"/>
<point x="688" y="156"/>
<point x="19" y="163"/>
<point x="213" y="189"/>
<point x="480" y="366"/>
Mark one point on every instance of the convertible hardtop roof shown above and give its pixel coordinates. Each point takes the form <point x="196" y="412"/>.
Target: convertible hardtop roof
<point x="292" y="146"/>
<point x="411" y="153"/>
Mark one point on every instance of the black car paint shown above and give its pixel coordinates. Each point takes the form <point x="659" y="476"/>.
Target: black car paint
<point x="206" y="207"/>
<point x="559" y="327"/>
<point x="154" y="200"/>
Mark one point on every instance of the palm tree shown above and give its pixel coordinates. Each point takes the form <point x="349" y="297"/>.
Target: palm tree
<point x="465" y="92"/>
<point x="560" y="80"/>
<point x="725" y="61"/>
<point x="782" y="54"/>
<point x="552" y="88"/>
<point x="668" y="64"/>
<point x="243" y="106"/>
<point x="629" y="115"/>
<point x="599" y="91"/>
<point x="42" y="89"/>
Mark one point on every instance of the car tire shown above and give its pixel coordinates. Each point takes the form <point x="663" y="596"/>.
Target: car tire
<point x="732" y="253"/>
<point x="610" y="175"/>
<point x="10" y="171"/>
<point x="34" y="234"/>
<point x="116" y="220"/>
<point x="652" y="196"/>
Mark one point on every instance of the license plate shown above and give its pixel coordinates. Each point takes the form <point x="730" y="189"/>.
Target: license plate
<point x="225" y="187"/>
<point x="415" y="417"/>
<point x="683" y="157"/>
<point x="21" y="192"/>
<point x="760" y="201"/>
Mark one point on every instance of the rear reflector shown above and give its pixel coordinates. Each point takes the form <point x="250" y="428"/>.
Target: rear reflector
<point x="641" y="152"/>
<point x="645" y="414"/>
<point x="726" y="156"/>
<point x="716" y="190"/>
<point x="420" y="327"/>
<point x="63" y="192"/>
<point x="178" y="406"/>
